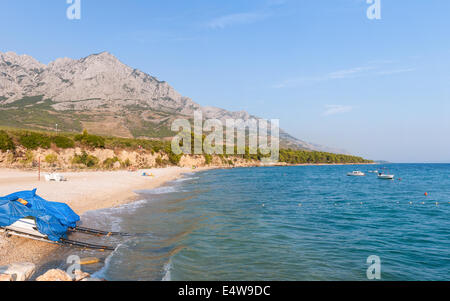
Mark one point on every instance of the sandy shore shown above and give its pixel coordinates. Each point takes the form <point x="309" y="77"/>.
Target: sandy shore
<point x="84" y="191"/>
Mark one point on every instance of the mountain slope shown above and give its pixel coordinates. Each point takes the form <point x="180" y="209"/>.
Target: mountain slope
<point x="98" y="93"/>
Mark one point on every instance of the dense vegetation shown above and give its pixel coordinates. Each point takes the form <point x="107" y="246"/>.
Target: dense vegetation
<point x="6" y="142"/>
<point x="90" y="140"/>
<point x="10" y="139"/>
<point x="85" y="159"/>
<point x="304" y="157"/>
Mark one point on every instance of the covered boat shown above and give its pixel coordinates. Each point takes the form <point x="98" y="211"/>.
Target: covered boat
<point x="28" y="213"/>
<point x="25" y="214"/>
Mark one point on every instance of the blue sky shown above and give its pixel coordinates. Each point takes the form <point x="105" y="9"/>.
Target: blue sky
<point x="377" y="88"/>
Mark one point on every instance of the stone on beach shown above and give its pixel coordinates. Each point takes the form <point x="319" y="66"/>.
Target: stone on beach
<point x="54" y="275"/>
<point x="6" y="277"/>
<point x="80" y="275"/>
<point x="17" y="271"/>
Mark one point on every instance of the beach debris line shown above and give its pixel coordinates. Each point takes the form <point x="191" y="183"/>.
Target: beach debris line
<point x="25" y="214"/>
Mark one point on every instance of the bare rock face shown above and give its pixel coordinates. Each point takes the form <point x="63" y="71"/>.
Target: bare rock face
<point x="18" y="75"/>
<point x="54" y="275"/>
<point x="88" y="83"/>
<point x="97" y="81"/>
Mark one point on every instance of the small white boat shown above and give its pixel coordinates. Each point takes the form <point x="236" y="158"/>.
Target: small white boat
<point x="385" y="177"/>
<point x="356" y="174"/>
<point x="373" y="171"/>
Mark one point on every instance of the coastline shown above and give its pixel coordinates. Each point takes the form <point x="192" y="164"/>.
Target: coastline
<point x="84" y="191"/>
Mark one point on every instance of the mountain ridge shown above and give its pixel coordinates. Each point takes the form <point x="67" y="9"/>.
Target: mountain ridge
<point x="101" y="93"/>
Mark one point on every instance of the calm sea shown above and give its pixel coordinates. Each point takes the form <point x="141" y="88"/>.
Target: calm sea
<point x="284" y="223"/>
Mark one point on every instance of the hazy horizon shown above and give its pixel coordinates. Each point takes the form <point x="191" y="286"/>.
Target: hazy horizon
<point x="376" y="88"/>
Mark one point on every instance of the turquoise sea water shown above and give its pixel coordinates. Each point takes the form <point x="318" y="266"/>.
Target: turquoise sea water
<point x="285" y="223"/>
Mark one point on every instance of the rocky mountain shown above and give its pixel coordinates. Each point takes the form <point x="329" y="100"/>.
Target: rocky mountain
<point x="98" y="93"/>
<point x="89" y="83"/>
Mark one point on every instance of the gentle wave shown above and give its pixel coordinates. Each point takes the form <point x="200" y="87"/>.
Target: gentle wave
<point x="180" y="180"/>
<point x="167" y="269"/>
<point x="287" y="223"/>
<point x="101" y="274"/>
<point x="160" y="190"/>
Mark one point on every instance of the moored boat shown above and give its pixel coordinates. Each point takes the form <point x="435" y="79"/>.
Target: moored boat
<point x="356" y="174"/>
<point x="27" y="215"/>
<point x="385" y="176"/>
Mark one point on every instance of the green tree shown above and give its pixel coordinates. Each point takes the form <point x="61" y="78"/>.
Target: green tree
<point x="63" y="142"/>
<point x="6" y="142"/>
<point x="33" y="140"/>
<point x="85" y="159"/>
<point x="90" y="140"/>
<point x="51" y="158"/>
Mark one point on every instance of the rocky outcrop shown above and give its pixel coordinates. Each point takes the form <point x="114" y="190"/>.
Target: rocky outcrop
<point x="88" y="83"/>
<point x="59" y="275"/>
<point x="54" y="275"/>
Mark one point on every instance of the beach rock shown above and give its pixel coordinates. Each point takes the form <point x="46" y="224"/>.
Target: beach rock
<point x="81" y="276"/>
<point x="19" y="271"/>
<point x="6" y="278"/>
<point x="54" y="275"/>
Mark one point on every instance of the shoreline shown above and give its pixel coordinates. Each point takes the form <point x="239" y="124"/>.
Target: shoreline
<point x="88" y="191"/>
<point x="84" y="191"/>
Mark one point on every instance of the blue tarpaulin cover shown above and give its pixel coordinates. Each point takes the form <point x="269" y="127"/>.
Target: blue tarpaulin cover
<point x="52" y="219"/>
